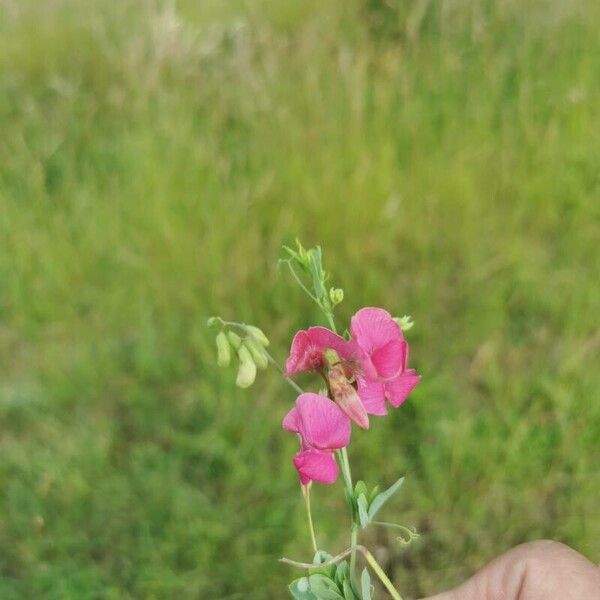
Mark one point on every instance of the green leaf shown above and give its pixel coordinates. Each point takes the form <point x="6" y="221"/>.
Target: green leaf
<point x="322" y="557"/>
<point x="382" y="498"/>
<point x="361" y="488"/>
<point x="324" y="588"/>
<point x="373" y="494"/>
<point x="365" y="585"/>
<point x="351" y="500"/>
<point x="316" y="270"/>
<point x="363" y="514"/>
<point x="342" y="573"/>
<point x="348" y="591"/>
<point x="300" y="589"/>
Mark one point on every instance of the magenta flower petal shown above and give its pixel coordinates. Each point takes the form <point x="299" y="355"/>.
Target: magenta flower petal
<point x="372" y="395"/>
<point x="389" y="360"/>
<point x="398" y="390"/>
<point x="306" y="352"/>
<point x="290" y="421"/>
<point x="322" y="424"/>
<point x="316" y="465"/>
<point x="373" y="328"/>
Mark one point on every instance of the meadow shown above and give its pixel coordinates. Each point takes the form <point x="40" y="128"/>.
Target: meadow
<point x="154" y="157"/>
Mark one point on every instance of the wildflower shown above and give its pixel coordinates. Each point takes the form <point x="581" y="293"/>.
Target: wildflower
<point x="322" y="428"/>
<point x="383" y="356"/>
<point x="308" y="346"/>
<point x="379" y="343"/>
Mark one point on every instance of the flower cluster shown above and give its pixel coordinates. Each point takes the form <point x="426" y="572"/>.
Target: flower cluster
<point x="363" y="374"/>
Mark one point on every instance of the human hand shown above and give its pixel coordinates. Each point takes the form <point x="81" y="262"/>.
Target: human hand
<point x="542" y="570"/>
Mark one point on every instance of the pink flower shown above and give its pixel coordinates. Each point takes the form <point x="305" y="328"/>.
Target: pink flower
<point x="383" y="355"/>
<point x="306" y="353"/>
<point x="322" y="428"/>
<point x="380" y="343"/>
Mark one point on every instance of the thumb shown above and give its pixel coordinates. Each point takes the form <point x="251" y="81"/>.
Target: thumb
<point x="542" y="570"/>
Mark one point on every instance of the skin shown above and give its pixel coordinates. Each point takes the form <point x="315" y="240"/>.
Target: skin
<point x="542" y="570"/>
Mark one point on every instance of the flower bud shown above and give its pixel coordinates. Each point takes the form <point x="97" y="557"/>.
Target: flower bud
<point x="336" y="295"/>
<point x="258" y="354"/>
<point x="258" y="334"/>
<point x="405" y="323"/>
<point x="223" y="350"/>
<point x="247" y="370"/>
<point x="234" y="339"/>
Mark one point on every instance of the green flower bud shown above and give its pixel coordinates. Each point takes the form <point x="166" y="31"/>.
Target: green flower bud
<point x="405" y="323"/>
<point x="247" y="370"/>
<point x="258" y="354"/>
<point x="223" y="350"/>
<point x="336" y="295"/>
<point x="234" y="339"/>
<point x="258" y="335"/>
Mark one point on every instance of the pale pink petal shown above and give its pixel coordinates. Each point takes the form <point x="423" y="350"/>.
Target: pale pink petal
<point x="323" y="338"/>
<point x="315" y="465"/>
<point x="322" y="424"/>
<point x="373" y="328"/>
<point x="297" y="360"/>
<point x="351" y="405"/>
<point x="389" y="359"/>
<point x="290" y="421"/>
<point x="399" y="389"/>
<point x="372" y="395"/>
<point x="306" y="352"/>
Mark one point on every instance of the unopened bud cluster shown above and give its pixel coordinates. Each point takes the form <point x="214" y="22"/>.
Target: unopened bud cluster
<point x="249" y="350"/>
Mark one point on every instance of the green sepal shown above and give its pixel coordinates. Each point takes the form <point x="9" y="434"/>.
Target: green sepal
<point x="324" y="588"/>
<point x="383" y="497"/>
<point x="300" y="589"/>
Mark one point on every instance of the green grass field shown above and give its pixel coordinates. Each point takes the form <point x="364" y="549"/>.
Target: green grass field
<point x="155" y="155"/>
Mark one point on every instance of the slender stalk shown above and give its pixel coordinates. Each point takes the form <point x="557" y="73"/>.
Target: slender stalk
<point x="353" y="544"/>
<point x="389" y="586"/>
<point x="306" y="494"/>
<point x="346" y="469"/>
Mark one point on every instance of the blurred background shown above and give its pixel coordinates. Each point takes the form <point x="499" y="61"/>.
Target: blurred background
<point x="155" y="155"/>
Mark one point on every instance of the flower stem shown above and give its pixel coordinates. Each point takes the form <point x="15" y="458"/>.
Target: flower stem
<point x="389" y="586"/>
<point x="306" y="494"/>
<point x="353" y="544"/>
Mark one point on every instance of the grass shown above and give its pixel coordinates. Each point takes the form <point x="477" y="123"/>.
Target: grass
<point x="154" y="156"/>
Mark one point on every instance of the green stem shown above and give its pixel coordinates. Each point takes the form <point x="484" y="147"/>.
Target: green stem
<point x="353" y="544"/>
<point x="330" y="320"/>
<point x="306" y="494"/>
<point x="389" y="586"/>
